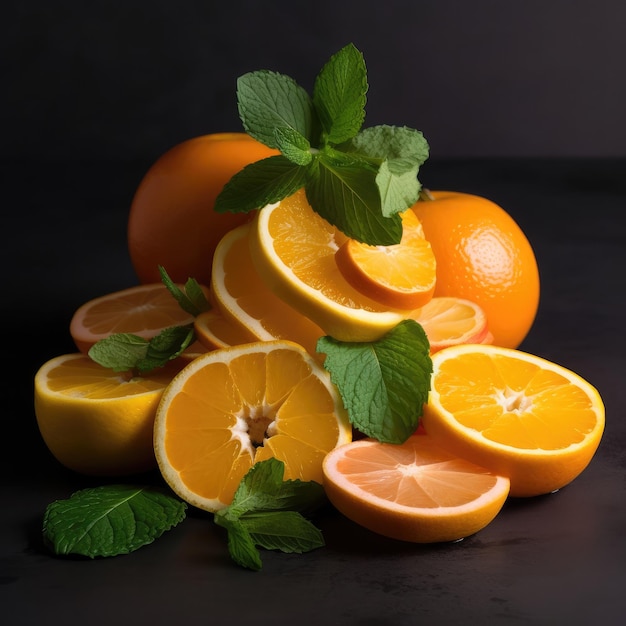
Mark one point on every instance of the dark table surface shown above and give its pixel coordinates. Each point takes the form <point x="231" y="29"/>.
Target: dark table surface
<point x="558" y="559"/>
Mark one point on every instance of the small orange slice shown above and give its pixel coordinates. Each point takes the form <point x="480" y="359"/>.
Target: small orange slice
<point x="448" y="321"/>
<point x="215" y="330"/>
<point x="232" y="407"/>
<point x="400" y="276"/>
<point x="143" y="310"/>
<point x="515" y="413"/>
<point x="415" y="491"/>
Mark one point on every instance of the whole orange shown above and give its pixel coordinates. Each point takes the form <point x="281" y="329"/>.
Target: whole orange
<point x="482" y="255"/>
<point x="172" y="222"/>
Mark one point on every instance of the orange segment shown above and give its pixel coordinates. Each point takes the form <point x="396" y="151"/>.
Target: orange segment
<point x="235" y="406"/>
<point x="293" y="249"/>
<point x="400" y="276"/>
<point x="143" y="310"/>
<point x="253" y="311"/>
<point x="517" y="414"/>
<point x="93" y="420"/>
<point x="449" y="321"/>
<point x="415" y="491"/>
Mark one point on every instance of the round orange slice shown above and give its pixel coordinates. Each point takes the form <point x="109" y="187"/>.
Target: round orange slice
<point x="515" y="413"/>
<point x="293" y="249"/>
<point x="400" y="276"/>
<point x="232" y="407"/>
<point x="415" y="491"/>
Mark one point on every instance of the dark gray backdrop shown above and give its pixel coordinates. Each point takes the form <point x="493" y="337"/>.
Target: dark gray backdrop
<point x="103" y="78"/>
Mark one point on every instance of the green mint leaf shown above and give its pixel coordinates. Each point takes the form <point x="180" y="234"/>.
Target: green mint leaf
<point x="125" y="352"/>
<point x="111" y="520"/>
<point x="120" y="352"/>
<point x="165" y="346"/>
<point x="294" y="146"/>
<point x="241" y="547"/>
<point x="287" y="531"/>
<point x="384" y="384"/>
<point x="345" y="193"/>
<point x="400" y="151"/>
<point x="268" y="100"/>
<point x="260" y="183"/>
<point x="192" y="299"/>
<point x="339" y="95"/>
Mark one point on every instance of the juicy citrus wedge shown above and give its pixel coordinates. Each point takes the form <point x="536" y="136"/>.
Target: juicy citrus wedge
<point x="143" y="310"/>
<point x="400" y="276"/>
<point x="96" y="421"/>
<point x="247" y="303"/>
<point x="293" y="249"/>
<point x="448" y="321"/>
<point x="515" y="413"/>
<point x="232" y="407"/>
<point x="415" y="491"/>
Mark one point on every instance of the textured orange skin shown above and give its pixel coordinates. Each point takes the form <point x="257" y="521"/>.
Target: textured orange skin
<point x="172" y="222"/>
<point x="483" y="255"/>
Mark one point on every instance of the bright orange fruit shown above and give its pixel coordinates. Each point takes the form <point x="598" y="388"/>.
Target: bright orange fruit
<point x="171" y="221"/>
<point x="515" y="413"/>
<point x="483" y="256"/>
<point x="232" y="407"/>
<point x="401" y="276"/>
<point x="415" y="491"/>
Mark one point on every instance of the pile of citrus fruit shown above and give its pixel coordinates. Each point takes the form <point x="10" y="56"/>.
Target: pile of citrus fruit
<point x="499" y="422"/>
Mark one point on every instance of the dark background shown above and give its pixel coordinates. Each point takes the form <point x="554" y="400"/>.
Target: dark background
<point x="129" y="78"/>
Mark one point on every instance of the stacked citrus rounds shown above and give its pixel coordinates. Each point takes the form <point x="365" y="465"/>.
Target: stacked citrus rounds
<point x="499" y="422"/>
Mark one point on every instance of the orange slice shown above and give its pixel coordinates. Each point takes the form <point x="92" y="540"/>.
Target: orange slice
<point x="415" y="491"/>
<point x="95" y="421"/>
<point x="515" y="413"/>
<point x="448" y="321"/>
<point x="232" y="407"/>
<point x="215" y="330"/>
<point x="143" y="310"/>
<point x="293" y="249"/>
<point x="400" y="276"/>
<point x="247" y="303"/>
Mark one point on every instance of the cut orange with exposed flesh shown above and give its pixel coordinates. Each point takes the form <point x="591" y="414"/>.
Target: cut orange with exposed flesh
<point x="400" y="276"/>
<point x="293" y="249"/>
<point x="215" y="330"/>
<point x="448" y="321"/>
<point x="96" y="421"/>
<point x="415" y="491"/>
<point x="247" y="303"/>
<point x="142" y="310"/>
<point x="515" y="413"/>
<point x="232" y="407"/>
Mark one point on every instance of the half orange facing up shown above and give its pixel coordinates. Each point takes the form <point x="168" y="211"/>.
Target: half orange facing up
<point x="415" y="491"/>
<point x="515" y="413"/>
<point x="232" y="407"/>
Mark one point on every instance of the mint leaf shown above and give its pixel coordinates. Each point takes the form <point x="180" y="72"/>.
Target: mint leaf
<point x="287" y="531"/>
<point x="359" y="213"/>
<point x="192" y="299"/>
<point x="268" y="101"/>
<point x="125" y="352"/>
<point x="384" y="384"/>
<point x="260" y="183"/>
<point x="294" y="146"/>
<point x="266" y="512"/>
<point x="339" y="95"/>
<point x="110" y="520"/>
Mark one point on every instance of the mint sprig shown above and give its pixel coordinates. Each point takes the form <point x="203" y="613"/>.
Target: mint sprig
<point x="384" y="384"/>
<point x="358" y="180"/>
<point x="268" y="512"/>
